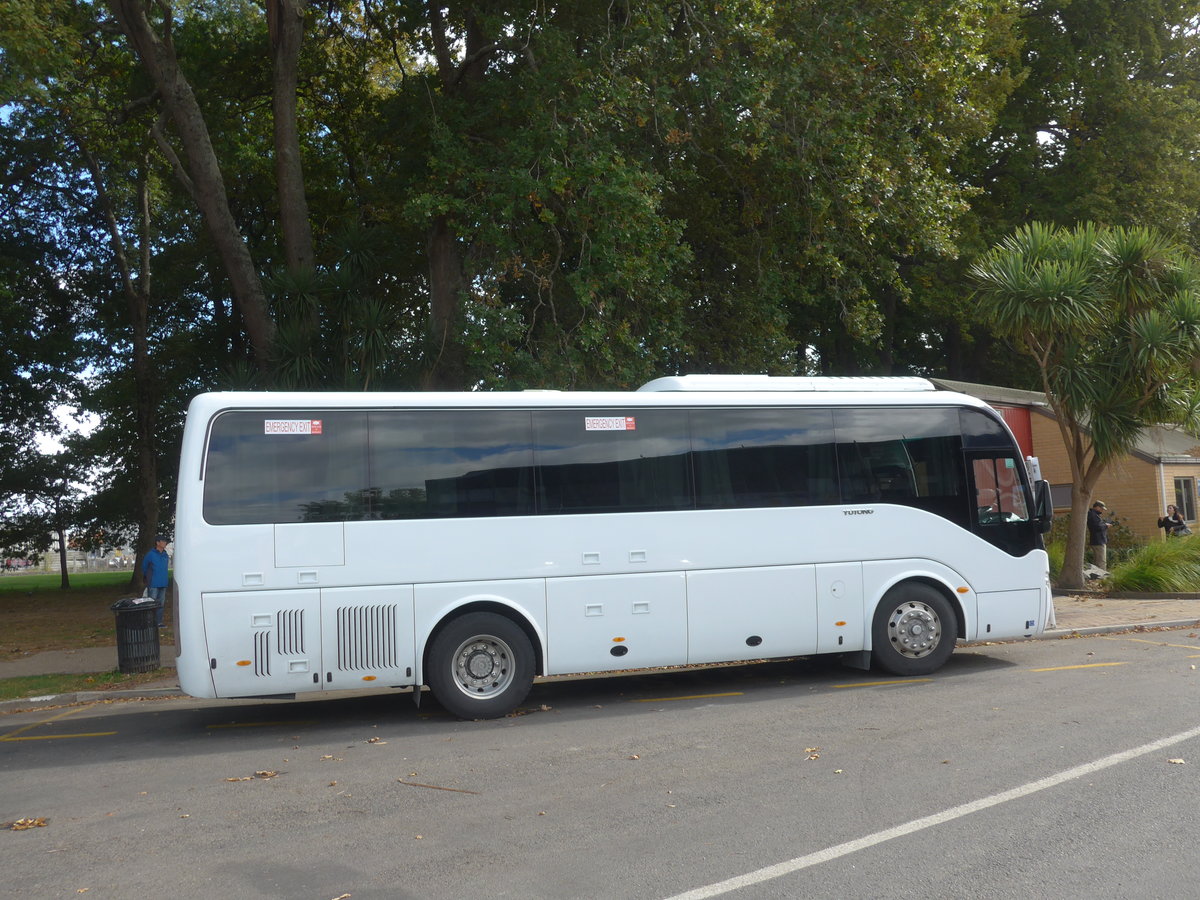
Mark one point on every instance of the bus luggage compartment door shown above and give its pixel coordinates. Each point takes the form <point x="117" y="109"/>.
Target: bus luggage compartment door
<point x="263" y="642"/>
<point x="367" y="637"/>
<point x="751" y="613"/>
<point x="605" y="623"/>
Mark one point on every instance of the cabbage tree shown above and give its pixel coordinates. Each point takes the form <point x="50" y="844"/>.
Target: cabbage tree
<point x="1111" y="317"/>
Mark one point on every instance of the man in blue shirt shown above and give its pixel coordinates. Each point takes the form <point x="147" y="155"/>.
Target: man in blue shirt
<point x="154" y="571"/>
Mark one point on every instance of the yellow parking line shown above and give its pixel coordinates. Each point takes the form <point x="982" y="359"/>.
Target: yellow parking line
<point x="689" y="697"/>
<point x="55" y="737"/>
<point x="262" y="724"/>
<point x="883" y="683"/>
<point x="68" y="712"/>
<point x="1160" y="643"/>
<point x="1084" y="666"/>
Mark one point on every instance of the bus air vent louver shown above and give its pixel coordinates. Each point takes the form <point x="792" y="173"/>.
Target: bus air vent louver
<point x="262" y="653"/>
<point x="366" y="638"/>
<point x="290" y="632"/>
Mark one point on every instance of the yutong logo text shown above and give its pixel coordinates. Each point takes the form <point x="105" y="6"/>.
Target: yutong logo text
<point x="858" y="512"/>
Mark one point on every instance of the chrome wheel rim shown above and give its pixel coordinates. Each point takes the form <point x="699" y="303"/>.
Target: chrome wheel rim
<point x="915" y="629"/>
<point x="484" y="666"/>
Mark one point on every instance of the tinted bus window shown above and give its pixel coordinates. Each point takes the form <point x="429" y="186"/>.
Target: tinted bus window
<point x="980" y="430"/>
<point x="443" y="463"/>
<point x="592" y="461"/>
<point x="293" y="466"/>
<point x="907" y="456"/>
<point x="763" y="457"/>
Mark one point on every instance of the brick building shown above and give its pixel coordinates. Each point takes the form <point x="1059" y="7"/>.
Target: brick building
<point x="1163" y="468"/>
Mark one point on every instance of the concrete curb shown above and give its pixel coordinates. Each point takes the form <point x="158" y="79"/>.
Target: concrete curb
<point x="70" y="699"/>
<point x="1059" y="633"/>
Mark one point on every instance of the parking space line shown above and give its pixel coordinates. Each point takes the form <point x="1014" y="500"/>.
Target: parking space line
<point x="12" y="735"/>
<point x="956" y="812"/>
<point x="1158" y="643"/>
<point x="883" y="683"/>
<point x="55" y="737"/>
<point x="261" y="724"/>
<point x="1083" y="666"/>
<point x="689" y="697"/>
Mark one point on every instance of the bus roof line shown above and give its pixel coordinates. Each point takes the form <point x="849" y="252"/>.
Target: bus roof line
<point x="847" y="384"/>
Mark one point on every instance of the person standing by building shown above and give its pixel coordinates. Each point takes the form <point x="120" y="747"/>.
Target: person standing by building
<point x="1098" y="535"/>
<point x="1174" y="523"/>
<point x="154" y="572"/>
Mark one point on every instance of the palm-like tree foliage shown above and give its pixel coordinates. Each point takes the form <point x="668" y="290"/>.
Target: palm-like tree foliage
<point x="1112" y="318"/>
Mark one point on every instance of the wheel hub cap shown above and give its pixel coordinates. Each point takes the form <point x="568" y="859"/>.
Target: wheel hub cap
<point x="915" y="629"/>
<point x="483" y="666"/>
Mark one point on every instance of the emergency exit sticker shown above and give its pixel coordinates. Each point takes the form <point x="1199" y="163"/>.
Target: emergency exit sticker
<point x="609" y="423"/>
<point x="291" y="426"/>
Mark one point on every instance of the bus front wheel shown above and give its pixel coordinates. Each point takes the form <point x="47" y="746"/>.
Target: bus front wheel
<point x="480" y="666"/>
<point x="914" y="630"/>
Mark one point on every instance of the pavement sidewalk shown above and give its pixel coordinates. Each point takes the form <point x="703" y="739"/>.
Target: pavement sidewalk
<point x="1074" y="614"/>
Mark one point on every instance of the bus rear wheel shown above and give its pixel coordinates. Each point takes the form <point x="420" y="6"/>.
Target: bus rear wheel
<point x="480" y="666"/>
<point x="914" y="630"/>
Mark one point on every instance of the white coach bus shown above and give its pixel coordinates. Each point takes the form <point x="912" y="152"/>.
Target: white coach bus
<point x="473" y="541"/>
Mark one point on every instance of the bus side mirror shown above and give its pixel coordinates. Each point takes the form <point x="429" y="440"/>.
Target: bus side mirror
<point x="1043" y="505"/>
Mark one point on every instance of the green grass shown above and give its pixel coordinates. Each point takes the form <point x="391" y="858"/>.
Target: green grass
<point x="35" y="620"/>
<point x="53" y="582"/>
<point x="45" y="685"/>
<point x="37" y="615"/>
<point x="1171" y="566"/>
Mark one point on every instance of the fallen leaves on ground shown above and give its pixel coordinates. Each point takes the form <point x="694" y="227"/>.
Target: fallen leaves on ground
<point x="26" y="823"/>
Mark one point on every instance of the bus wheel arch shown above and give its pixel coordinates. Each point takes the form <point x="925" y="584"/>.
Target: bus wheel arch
<point x="914" y="628"/>
<point x="480" y="661"/>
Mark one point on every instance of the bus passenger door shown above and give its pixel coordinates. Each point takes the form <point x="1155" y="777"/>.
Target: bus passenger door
<point x="367" y="637"/>
<point x="263" y="642"/>
<point x="755" y="613"/>
<point x="602" y="623"/>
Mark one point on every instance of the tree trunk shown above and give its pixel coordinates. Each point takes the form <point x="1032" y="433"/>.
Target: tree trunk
<point x="1070" y="576"/>
<point x="285" y="22"/>
<point x="1085" y="473"/>
<point x="137" y="296"/>
<point x="157" y="56"/>
<point x="145" y="386"/>
<point x="447" y="366"/>
<point x="62" y="557"/>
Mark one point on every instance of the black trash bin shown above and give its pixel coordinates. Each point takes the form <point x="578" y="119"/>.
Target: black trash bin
<point x="137" y="634"/>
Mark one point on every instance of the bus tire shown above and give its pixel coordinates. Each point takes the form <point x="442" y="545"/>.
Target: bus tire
<point x="914" y="630"/>
<point x="481" y="666"/>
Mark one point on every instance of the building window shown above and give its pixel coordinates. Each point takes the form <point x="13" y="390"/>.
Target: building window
<point x="1185" y="497"/>
<point x="1060" y="495"/>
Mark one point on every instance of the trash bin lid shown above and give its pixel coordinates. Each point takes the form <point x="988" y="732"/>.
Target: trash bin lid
<point x="133" y="603"/>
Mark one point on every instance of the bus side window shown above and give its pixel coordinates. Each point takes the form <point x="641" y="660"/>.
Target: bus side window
<point x="746" y="458"/>
<point x="294" y="466"/>
<point x="430" y="463"/>
<point x="911" y="457"/>
<point x="605" y="461"/>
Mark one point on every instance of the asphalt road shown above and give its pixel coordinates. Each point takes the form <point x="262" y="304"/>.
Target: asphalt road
<point x="1040" y="769"/>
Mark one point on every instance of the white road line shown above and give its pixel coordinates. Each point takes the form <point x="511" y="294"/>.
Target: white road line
<point x="803" y="862"/>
